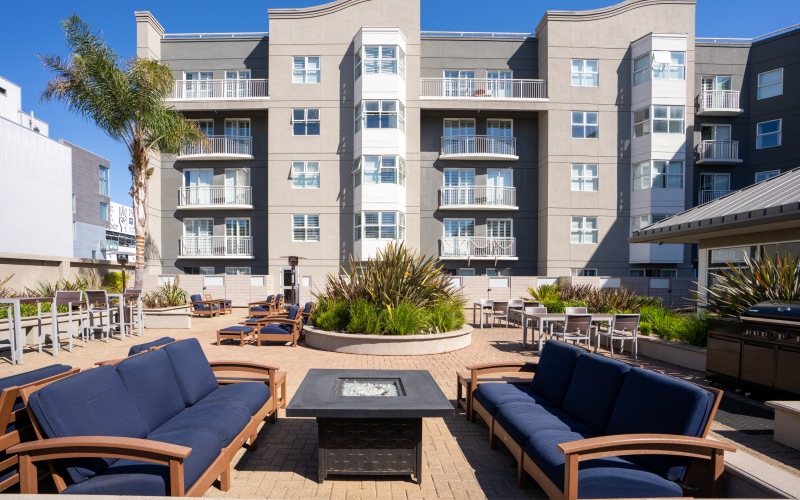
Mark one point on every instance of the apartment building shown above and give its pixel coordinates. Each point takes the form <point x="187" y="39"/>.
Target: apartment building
<point x="346" y="127"/>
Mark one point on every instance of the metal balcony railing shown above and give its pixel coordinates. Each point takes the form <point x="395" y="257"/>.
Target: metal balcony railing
<point x="478" y="196"/>
<point x="219" y="89"/>
<point x="484" y="145"/>
<point x="478" y="247"/>
<point x="487" y="88"/>
<point x="220" y="145"/>
<point x="216" y="196"/>
<point x="719" y="100"/>
<point x="216" y="246"/>
<point x="718" y="151"/>
<point x="707" y="195"/>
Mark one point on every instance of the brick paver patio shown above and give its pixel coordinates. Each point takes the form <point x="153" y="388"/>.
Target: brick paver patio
<point x="457" y="462"/>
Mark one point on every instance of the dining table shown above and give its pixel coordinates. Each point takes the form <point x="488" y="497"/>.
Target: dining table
<point x="477" y="305"/>
<point x="544" y="319"/>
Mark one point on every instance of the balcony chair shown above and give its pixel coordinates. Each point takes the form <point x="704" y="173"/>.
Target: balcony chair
<point x="262" y="308"/>
<point x="623" y="327"/>
<point x="224" y="304"/>
<point x="202" y="307"/>
<point x="576" y="328"/>
<point x="98" y="306"/>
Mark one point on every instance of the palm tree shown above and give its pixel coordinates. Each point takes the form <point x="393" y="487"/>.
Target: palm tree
<point x="125" y="99"/>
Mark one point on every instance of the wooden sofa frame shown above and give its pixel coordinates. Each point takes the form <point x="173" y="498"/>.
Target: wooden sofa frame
<point x="258" y="324"/>
<point x="173" y="456"/>
<point x="210" y="312"/>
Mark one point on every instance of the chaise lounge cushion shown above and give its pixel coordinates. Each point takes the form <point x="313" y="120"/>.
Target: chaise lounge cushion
<point x="146" y="346"/>
<point x="593" y="391"/>
<point x="554" y="371"/>
<point x="151" y="382"/>
<point x="520" y="420"/>
<point x="192" y="370"/>
<point x="651" y="403"/>
<point x="252" y="394"/>
<point x="610" y="477"/>
<point x="90" y="403"/>
<point x="492" y="395"/>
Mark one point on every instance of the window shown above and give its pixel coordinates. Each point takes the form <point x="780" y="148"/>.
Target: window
<point x="499" y="83"/>
<point x="498" y="271"/>
<point x="103" y="181"/>
<point x="499" y="228"/>
<point x="641" y="69"/>
<point x="74" y="231"/>
<point x="357" y="226"/>
<point x="237" y="236"/>
<point x="584" y="72"/>
<point x="584" y="177"/>
<point x="237" y="186"/>
<point x="669" y="65"/>
<point x="641" y="176"/>
<point x="381" y="225"/>
<point x="641" y="122"/>
<point x="770" y="83"/>
<point x="642" y="221"/>
<point x="205" y="126"/>
<point x="768" y="174"/>
<point x="380" y="114"/>
<point x="583" y="230"/>
<point x="74" y="205"/>
<point x="383" y="59"/>
<point x="667" y="174"/>
<point x="583" y="272"/>
<point x="466" y="271"/>
<point x="459" y="136"/>
<point x="198" y="85"/>
<point x="768" y="134"/>
<point x="459" y="228"/>
<point x="305" y="122"/>
<point x="237" y="271"/>
<point x="653" y="273"/>
<point x="237" y="128"/>
<point x="305" y="228"/>
<point x="199" y="270"/>
<point x="584" y="125"/>
<point x="103" y="211"/>
<point x="500" y="136"/>
<point x="305" y="69"/>
<point x="237" y="83"/>
<point x="459" y="83"/>
<point x="380" y="170"/>
<point x="668" y="119"/>
<point x="305" y="175"/>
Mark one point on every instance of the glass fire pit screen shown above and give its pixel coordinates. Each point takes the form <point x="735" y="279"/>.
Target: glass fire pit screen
<point x="369" y="387"/>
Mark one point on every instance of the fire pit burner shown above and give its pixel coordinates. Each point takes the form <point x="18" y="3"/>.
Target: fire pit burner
<point x="361" y="387"/>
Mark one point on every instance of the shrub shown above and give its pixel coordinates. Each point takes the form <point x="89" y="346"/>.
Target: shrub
<point x="690" y="328"/>
<point x="168" y="295"/>
<point x="695" y="329"/>
<point x="333" y="315"/>
<point x="445" y="316"/>
<point x="112" y="282"/>
<point x="364" y="318"/>
<point x="403" y="319"/>
<point x="596" y="300"/>
<point x="544" y="293"/>
<point x="6" y="291"/>
<point x="553" y="305"/>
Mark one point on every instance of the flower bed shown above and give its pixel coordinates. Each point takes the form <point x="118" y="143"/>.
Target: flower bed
<point x="388" y="345"/>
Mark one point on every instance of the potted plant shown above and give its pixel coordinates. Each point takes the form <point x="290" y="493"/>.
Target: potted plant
<point x="167" y="307"/>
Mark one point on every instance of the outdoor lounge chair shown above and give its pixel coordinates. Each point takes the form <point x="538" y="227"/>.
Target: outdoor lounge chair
<point x="202" y="307"/>
<point x="262" y="308"/>
<point x="279" y="328"/>
<point x="224" y="304"/>
<point x="279" y="304"/>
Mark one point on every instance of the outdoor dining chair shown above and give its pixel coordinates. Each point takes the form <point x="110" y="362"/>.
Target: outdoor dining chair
<point x="576" y="310"/>
<point x="515" y="307"/>
<point x="487" y="306"/>
<point x="576" y="328"/>
<point x="73" y="301"/>
<point x="499" y="311"/>
<point x="534" y="322"/>
<point x="623" y="327"/>
<point x="132" y="298"/>
<point x="99" y="307"/>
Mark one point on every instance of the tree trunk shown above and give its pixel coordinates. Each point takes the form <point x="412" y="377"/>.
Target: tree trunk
<point x="139" y="166"/>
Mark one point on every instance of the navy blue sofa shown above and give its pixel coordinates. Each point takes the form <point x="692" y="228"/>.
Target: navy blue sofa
<point x="588" y="426"/>
<point x="156" y="423"/>
<point x="14" y="419"/>
<point x="138" y="348"/>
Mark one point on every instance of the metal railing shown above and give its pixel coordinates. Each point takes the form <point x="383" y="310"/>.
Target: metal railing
<point x="717" y="150"/>
<point x="220" y="145"/>
<point x="486" y="88"/>
<point x="475" y="34"/>
<point x="216" y="246"/>
<point x="488" y="196"/>
<point x="706" y="196"/>
<point x="478" y="246"/>
<point x="214" y="196"/>
<point x="705" y="39"/>
<point x="219" y="89"/>
<point x="719" y="99"/>
<point x="479" y="145"/>
<point x="243" y="34"/>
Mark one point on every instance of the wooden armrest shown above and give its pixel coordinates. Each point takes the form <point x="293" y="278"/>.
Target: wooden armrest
<point x="209" y="302"/>
<point x="260" y="303"/>
<point x="281" y="320"/>
<point x="242" y="364"/>
<point x="102" y="446"/>
<point x="503" y="366"/>
<point x="643" y="444"/>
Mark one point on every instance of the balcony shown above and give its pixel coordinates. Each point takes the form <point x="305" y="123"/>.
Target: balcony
<point x="216" y="247"/>
<point x="478" y="248"/>
<point x="718" y="103"/>
<point x="482" y="88"/>
<point x="218" y="197"/>
<point x="705" y="196"/>
<point x="219" y="90"/>
<point x="219" y="147"/>
<point x="478" y="198"/>
<point x="719" y="152"/>
<point x="479" y="147"/>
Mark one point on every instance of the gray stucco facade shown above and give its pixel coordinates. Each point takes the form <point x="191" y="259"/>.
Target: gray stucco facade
<point x="89" y="230"/>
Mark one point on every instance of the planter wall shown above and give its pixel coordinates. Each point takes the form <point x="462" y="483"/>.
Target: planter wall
<point x="388" y="345"/>
<point x="169" y="317"/>
<point x="687" y="356"/>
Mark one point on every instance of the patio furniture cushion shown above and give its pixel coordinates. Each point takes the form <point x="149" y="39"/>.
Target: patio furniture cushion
<point x="610" y="477"/>
<point x="224" y="419"/>
<point x="593" y="390"/>
<point x="492" y="395"/>
<point x="146" y="346"/>
<point x="27" y="378"/>
<point x="192" y="370"/>
<point x="237" y="329"/>
<point x="652" y="403"/>
<point x="520" y="420"/>
<point x="259" y="309"/>
<point x="206" y="307"/>
<point x="277" y="329"/>
<point x="90" y="403"/>
<point x="151" y="382"/>
<point x="197" y="298"/>
<point x="252" y="394"/>
<point x="293" y="312"/>
<point x="227" y="303"/>
<point x="554" y="371"/>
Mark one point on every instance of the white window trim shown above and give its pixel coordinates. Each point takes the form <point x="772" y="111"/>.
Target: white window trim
<point x="583" y="177"/>
<point x="306" y="121"/>
<point x="578" y="271"/>
<point x="583" y="72"/>
<point x="779" y="133"/>
<point x="399" y="225"/>
<point x="459" y="219"/>
<point x="305" y="174"/>
<point x="668" y="119"/>
<point x="774" y="173"/>
<point x="585" y="124"/>
<point x="651" y="174"/>
<point x="306" y="71"/>
<point x="584" y="231"/>
<point x="500" y="219"/>
<point x="667" y="67"/>
<point x="306" y="227"/>
<point x="759" y="86"/>
<point x="510" y="120"/>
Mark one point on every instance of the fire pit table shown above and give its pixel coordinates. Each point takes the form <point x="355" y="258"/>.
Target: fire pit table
<point x="369" y="421"/>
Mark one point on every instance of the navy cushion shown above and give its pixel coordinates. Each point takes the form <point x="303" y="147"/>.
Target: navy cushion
<point x="520" y="420"/>
<point x="252" y="394"/>
<point x="259" y="309"/>
<point x="237" y="329"/>
<point x="554" y="372"/>
<point x="307" y="307"/>
<point x="90" y="403"/>
<point x="27" y="378"/>
<point x="652" y="403"/>
<point x="270" y="298"/>
<point x="492" y="395"/>
<point x="144" y="347"/>
<point x="227" y="303"/>
<point x="610" y="477"/>
<point x="151" y="383"/>
<point x="279" y="297"/>
<point x="224" y="419"/>
<point x="277" y="329"/>
<point x="293" y="312"/>
<point x="206" y="307"/>
<point x="133" y="477"/>
<point x="197" y="298"/>
<point x="593" y="390"/>
<point x="192" y="371"/>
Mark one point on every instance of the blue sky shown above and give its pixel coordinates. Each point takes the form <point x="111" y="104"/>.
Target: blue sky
<point x="32" y="27"/>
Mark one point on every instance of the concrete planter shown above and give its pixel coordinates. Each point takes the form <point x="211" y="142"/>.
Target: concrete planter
<point x="388" y="345"/>
<point x="179" y="317"/>
<point x="687" y="356"/>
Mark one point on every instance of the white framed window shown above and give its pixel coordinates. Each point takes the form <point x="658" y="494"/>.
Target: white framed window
<point x="669" y="65"/>
<point x="667" y="174"/>
<point x="584" y="177"/>
<point x="237" y="84"/>
<point x="459" y="83"/>
<point x="466" y="271"/>
<point x="103" y="211"/>
<point x="498" y="272"/>
<point x="584" y="125"/>
<point x="305" y="69"/>
<point x="500" y="228"/>
<point x="371" y="169"/>
<point x="584" y="73"/>
<point x="641" y="69"/>
<point x="239" y="127"/>
<point x="103" y="180"/>
<point x="305" y="121"/>
<point x="583" y="230"/>
<point x="500" y="133"/>
<point x="74" y="205"/>
<point x="380" y="114"/>
<point x="499" y="83"/>
<point x="237" y="227"/>
<point x="305" y="175"/>
<point x="641" y="176"/>
<point x="206" y="126"/>
<point x="237" y="271"/>
<point x="381" y="225"/>
<point x="382" y="59"/>
<point x="583" y="271"/>
<point x="458" y="228"/>
<point x="770" y="84"/>
<point x="458" y="136"/>
<point x="198" y="85"/>
<point x="641" y="122"/>
<point x="768" y="134"/>
<point x="767" y="174"/>
<point x="652" y="273"/>
<point x="642" y="221"/>
<point x="668" y="119"/>
<point x="198" y="227"/>
<point x="305" y="227"/>
<point x="205" y="270"/>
